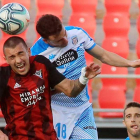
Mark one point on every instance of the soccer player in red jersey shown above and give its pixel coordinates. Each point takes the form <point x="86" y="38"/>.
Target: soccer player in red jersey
<point x="25" y="91"/>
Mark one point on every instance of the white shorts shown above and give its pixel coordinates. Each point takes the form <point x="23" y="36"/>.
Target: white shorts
<point x="74" y="123"/>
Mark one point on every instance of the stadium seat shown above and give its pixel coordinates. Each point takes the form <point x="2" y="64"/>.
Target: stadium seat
<point x="116" y="26"/>
<point x="138" y="41"/>
<point x="137" y="72"/>
<point x="6" y="36"/>
<point x="50" y="7"/>
<point x="84" y="7"/>
<point x="84" y="22"/>
<point x="118" y="46"/>
<point x="138" y="25"/>
<point x="136" y="96"/>
<point x="118" y="6"/>
<point x="114" y="83"/>
<point x="111" y="99"/>
<point x="25" y="3"/>
<point x="138" y="48"/>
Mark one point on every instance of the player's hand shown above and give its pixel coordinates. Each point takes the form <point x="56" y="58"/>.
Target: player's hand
<point x="3" y="136"/>
<point x="92" y="70"/>
<point x="135" y="63"/>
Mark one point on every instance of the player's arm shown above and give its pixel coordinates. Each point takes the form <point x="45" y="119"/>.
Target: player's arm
<point x="70" y="87"/>
<point x="111" y="58"/>
<point x="73" y="87"/>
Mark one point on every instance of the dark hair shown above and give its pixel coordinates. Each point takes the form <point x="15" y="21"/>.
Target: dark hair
<point x="48" y="25"/>
<point x="13" y="41"/>
<point x="131" y="104"/>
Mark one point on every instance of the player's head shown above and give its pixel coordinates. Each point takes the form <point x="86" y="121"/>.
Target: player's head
<point x="17" y="55"/>
<point x="132" y="119"/>
<point x="52" y="31"/>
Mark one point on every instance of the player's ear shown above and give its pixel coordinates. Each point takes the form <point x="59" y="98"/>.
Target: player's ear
<point x="29" y="51"/>
<point x="124" y="123"/>
<point x="5" y="59"/>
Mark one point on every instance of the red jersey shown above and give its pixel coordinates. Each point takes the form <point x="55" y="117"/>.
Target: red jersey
<point x="26" y="100"/>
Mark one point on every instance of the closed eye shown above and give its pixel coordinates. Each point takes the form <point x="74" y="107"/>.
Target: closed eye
<point x="11" y="57"/>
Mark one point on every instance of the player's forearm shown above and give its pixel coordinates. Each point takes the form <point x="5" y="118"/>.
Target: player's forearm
<point x="73" y="87"/>
<point x="79" y="84"/>
<point x="115" y="60"/>
<point x="77" y="87"/>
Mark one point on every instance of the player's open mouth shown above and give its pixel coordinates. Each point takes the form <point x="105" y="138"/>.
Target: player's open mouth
<point x="21" y="67"/>
<point x="134" y="126"/>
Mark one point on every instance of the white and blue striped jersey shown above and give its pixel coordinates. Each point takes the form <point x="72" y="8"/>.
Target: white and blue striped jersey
<point x="68" y="60"/>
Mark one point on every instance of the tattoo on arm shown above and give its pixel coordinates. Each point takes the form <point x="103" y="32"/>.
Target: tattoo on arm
<point x="77" y="88"/>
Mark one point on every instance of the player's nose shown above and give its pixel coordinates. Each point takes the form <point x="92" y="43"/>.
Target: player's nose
<point x="18" y="60"/>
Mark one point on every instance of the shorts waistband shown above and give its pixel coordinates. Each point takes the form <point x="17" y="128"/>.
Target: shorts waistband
<point x="70" y="109"/>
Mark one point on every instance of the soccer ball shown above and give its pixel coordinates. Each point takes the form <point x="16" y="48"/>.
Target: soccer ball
<point x="14" y="18"/>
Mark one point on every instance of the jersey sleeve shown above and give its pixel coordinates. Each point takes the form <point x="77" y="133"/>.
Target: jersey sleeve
<point x="4" y="76"/>
<point x="1" y="86"/>
<point x="88" y="41"/>
<point x="39" y="47"/>
<point x="54" y="76"/>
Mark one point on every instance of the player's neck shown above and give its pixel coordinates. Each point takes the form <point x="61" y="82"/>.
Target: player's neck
<point x="134" y="138"/>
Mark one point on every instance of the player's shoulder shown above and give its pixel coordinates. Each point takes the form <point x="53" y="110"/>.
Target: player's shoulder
<point x="39" y="46"/>
<point x="5" y="72"/>
<point x="74" y="30"/>
<point x="5" y="68"/>
<point x="40" y="59"/>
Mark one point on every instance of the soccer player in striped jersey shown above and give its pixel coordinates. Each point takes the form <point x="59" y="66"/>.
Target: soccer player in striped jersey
<point x="65" y="47"/>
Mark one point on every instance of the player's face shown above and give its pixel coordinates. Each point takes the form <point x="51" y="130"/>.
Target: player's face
<point x="18" y="59"/>
<point x="132" y="121"/>
<point x="59" y="40"/>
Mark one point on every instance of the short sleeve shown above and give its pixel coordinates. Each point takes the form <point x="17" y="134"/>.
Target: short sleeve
<point x="39" y="47"/>
<point x="54" y="76"/>
<point x="88" y="41"/>
<point x="4" y="76"/>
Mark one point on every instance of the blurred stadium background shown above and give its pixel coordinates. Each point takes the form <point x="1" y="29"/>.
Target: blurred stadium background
<point x="115" y="26"/>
